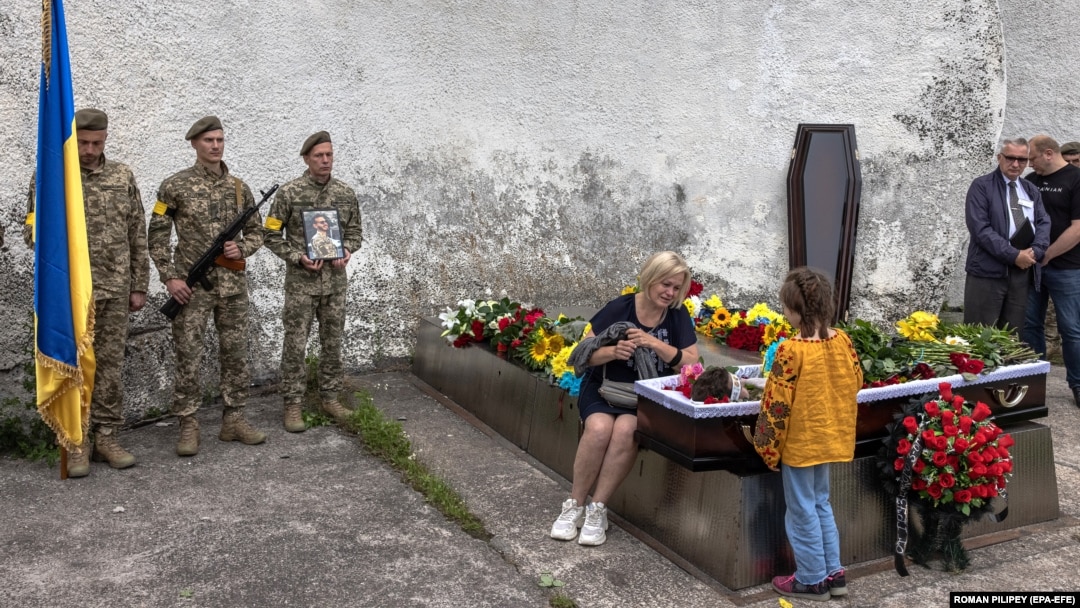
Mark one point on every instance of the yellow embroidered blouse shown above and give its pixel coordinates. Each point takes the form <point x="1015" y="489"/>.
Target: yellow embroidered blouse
<point x="808" y="408"/>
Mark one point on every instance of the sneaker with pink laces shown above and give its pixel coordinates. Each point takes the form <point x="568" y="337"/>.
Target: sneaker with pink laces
<point x="788" y="586"/>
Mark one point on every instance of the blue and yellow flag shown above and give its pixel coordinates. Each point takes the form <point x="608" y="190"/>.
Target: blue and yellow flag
<point x="63" y="299"/>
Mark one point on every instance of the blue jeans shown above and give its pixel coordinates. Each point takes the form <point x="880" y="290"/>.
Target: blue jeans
<point x="811" y="528"/>
<point x="1063" y="287"/>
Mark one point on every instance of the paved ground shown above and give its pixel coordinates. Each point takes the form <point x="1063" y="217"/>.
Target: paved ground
<point x="313" y="520"/>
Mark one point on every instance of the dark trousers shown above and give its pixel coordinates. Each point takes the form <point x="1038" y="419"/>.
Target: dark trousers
<point x="997" y="302"/>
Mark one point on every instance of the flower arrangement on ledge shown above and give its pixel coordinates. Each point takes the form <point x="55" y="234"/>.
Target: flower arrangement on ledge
<point x="519" y="332"/>
<point x="954" y="460"/>
<point x="926" y="347"/>
<point x="923" y="346"/>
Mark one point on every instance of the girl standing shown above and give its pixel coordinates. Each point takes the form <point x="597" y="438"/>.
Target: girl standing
<point x="807" y="421"/>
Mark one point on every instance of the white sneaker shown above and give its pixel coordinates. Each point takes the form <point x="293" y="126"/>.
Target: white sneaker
<point x="566" y="527"/>
<point x="592" y="533"/>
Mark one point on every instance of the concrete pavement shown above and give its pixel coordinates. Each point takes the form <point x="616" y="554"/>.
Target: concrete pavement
<point x="311" y="519"/>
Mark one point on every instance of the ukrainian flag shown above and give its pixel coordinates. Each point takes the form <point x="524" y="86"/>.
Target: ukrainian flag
<point x="63" y="302"/>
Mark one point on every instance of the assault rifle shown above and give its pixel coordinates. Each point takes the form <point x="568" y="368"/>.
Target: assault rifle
<point x="215" y="255"/>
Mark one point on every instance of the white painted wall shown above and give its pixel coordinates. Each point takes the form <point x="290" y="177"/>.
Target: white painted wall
<point x="544" y="150"/>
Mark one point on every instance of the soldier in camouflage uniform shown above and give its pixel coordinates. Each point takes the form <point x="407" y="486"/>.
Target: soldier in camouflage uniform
<point x="119" y="270"/>
<point x="313" y="289"/>
<point x="200" y="202"/>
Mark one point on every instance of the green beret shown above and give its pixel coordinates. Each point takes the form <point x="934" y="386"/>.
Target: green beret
<point x="89" y="119"/>
<point x="322" y="137"/>
<point x="204" y="124"/>
<point x="1073" y="147"/>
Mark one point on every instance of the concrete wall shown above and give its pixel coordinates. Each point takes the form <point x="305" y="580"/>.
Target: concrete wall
<point x="543" y="151"/>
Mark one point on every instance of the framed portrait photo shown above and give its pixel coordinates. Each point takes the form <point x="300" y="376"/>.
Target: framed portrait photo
<point x="322" y="234"/>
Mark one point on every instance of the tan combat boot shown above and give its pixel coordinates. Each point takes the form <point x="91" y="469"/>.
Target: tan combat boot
<point x="293" y="418"/>
<point x="107" y="448"/>
<point x="78" y="464"/>
<point x="189" y="437"/>
<point x="235" y="428"/>
<point x="334" y="409"/>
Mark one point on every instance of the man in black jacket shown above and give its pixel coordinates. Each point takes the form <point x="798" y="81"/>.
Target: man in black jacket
<point x="1010" y="232"/>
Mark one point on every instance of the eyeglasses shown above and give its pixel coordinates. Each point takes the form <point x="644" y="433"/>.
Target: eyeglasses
<point x="1014" y="159"/>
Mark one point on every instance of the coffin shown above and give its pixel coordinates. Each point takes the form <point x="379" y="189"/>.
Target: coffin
<point x="711" y="437"/>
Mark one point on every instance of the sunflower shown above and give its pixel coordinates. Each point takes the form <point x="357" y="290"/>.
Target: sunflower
<point x="721" y="317"/>
<point x="555" y="344"/>
<point x="628" y="290"/>
<point x="559" y="363"/>
<point x="538" y="350"/>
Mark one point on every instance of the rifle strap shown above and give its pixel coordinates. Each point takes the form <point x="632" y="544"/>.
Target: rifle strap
<point x="239" y="194"/>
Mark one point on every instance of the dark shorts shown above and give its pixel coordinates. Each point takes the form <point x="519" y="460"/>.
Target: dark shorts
<point x="590" y="402"/>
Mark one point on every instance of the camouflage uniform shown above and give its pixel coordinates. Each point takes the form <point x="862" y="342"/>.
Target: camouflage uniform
<point x="116" y="238"/>
<point x="200" y="205"/>
<point x="312" y="294"/>
<point x="323" y="247"/>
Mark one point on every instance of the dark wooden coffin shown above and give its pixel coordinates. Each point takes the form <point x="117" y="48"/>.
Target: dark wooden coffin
<point x="704" y="442"/>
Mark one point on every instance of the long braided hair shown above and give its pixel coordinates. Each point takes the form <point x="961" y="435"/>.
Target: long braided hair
<point x="809" y="293"/>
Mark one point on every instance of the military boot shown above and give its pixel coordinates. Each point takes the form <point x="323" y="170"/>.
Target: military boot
<point x="235" y="428"/>
<point x="334" y="409"/>
<point x="78" y="464"/>
<point x="108" y="449"/>
<point x="293" y="418"/>
<point x="189" y="437"/>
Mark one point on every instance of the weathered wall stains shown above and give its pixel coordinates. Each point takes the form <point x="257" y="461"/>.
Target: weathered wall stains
<point x="535" y="151"/>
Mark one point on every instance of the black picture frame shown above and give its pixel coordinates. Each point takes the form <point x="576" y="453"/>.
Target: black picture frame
<point x="319" y="248"/>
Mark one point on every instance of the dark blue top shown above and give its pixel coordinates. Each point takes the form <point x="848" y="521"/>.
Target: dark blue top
<point x="677" y="329"/>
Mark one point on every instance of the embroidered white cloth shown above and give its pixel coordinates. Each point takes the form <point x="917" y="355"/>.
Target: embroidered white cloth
<point x="655" y="389"/>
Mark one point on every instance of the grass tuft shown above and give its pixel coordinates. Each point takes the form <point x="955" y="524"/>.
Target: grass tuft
<point x="386" y="440"/>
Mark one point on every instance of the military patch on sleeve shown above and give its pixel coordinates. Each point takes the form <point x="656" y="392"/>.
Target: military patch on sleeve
<point x="30" y="219"/>
<point x="161" y="208"/>
<point x="272" y="223"/>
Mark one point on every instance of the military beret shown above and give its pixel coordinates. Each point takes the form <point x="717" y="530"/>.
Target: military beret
<point x="322" y="137"/>
<point x="204" y="124"/>
<point x="89" y="119"/>
<point x="1073" y="147"/>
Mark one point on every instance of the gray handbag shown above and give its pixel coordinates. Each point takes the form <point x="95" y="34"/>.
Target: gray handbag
<point x="618" y="394"/>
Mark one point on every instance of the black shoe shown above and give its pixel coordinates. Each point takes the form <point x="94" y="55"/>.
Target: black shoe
<point x="1076" y="395"/>
<point x="837" y="584"/>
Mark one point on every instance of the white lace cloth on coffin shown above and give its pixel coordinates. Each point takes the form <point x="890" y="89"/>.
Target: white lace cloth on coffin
<point x="655" y="389"/>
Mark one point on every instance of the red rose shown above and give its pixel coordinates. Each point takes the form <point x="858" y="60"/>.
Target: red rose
<point x="919" y="465"/>
<point x="903" y="447"/>
<point x="504" y="323"/>
<point x="948" y="417"/>
<point x="918" y="484"/>
<point x="941" y="442"/>
<point x="979" y="470"/>
<point x="501" y="347"/>
<point x="898" y="464"/>
<point x="981" y="412"/>
<point x="939" y="458"/>
<point x="947" y="480"/>
<point x="1006" y="441"/>
<point x="533" y="315"/>
<point x="989" y="453"/>
<point x="877" y="384"/>
<point x="962" y="496"/>
<point x="953" y="461"/>
<point x="515" y="343"/>
<point x="477" y="330"/>
<point x="973" y="366"/>
<point x="980" y="437"/>
<point x="695" y="288"/>
<point x="965" y="424"/>
<point x="958" y="403"/>
<point x="996" y="470"/>
<point x="911" y="425"/>
<point x="973" y="457"/>
<point x="928" y="436"/>
<point x="960" y="444"/>
<point x="946" y="390"/>
<point x="934" y="490"/>
<point x="932" y="408"/>
<point x="1006" y="466"/>
<point x="461" y="341"/>
<point x="958" y="359"/>
<point x="951" y="430"/>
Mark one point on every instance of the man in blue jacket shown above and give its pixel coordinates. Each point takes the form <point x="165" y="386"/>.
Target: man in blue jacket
<point x="1010" y="232"/>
